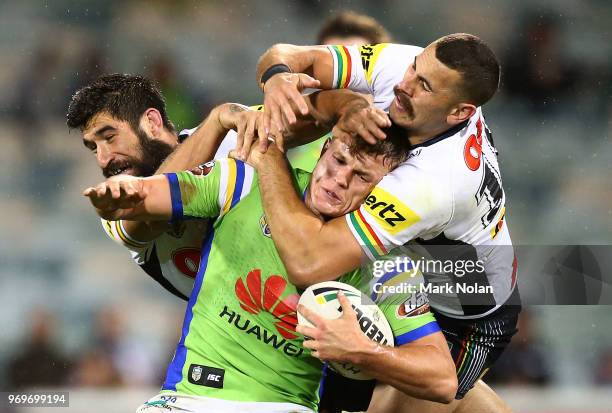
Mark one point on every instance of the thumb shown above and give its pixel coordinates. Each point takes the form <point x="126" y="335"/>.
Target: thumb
<point x="306" y="81"/>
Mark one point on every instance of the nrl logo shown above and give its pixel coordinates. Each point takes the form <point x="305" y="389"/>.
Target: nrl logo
<point x="265" y="228"/>
<point x="196" y="373"/>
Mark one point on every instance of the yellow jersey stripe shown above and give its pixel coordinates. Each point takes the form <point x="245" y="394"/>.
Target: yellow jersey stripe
<point x="231" y="185"/>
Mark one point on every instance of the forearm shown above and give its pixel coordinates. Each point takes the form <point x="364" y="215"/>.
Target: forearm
<point x="424" y="372"/>
<point x="154" y="204"/>
<point x="305" y="243"/>
<point x="315" y="61"/>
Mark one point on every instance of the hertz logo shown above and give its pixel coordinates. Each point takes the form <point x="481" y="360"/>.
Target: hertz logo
<point x="392" y="215"/>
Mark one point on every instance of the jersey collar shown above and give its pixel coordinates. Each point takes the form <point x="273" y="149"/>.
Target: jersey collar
<point x="446" y="134"/>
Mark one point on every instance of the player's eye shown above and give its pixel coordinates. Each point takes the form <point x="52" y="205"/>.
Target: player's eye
<point x="339" y="160"/>
<point x="364" y="178"/>
<point x="425" y="86"/>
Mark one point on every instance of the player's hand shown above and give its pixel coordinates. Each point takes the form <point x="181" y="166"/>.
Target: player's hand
<point x="334" y="340"/>
<point x="283" y="99"/>
<point x="247" y="123"/>
<point x="365" y="122"/>
<point x="117" y="197"/>
<point x="256" y="157"/>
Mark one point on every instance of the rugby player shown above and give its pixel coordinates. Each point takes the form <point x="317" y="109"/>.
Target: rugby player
<point x="239" y="349"/>
<point x="448" y="192"/>
<point x="124" y="123"/>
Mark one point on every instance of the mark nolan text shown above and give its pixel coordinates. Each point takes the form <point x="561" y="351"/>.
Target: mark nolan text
<point x="408" y="288"/>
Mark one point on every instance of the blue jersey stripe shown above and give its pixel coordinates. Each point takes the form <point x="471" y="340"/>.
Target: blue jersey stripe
<point x="239" y="183"/>
<point x="175" y="196"/>
<point x="425" y="330"/>
<point x="175" y="369"/>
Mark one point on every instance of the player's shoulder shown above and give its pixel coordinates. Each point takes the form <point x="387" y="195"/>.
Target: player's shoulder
<point x="388" y="55"/>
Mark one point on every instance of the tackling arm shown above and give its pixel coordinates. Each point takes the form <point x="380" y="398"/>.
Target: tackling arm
<point x="422" y="368"/>
<point x="315" y="61"/>
<point x="404" y="368"/>
<point x="312" y="250"/>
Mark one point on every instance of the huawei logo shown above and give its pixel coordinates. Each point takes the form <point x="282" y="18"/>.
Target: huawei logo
<point x="254" y="300"/>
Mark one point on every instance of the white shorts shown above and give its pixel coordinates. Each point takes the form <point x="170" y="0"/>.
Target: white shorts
<point x="182" y="403"/>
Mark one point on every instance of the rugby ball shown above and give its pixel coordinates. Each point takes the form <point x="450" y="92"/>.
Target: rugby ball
<point x="322" y="298"/>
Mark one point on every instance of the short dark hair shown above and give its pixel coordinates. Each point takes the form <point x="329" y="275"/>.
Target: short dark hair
<point x="394" y="148"/>
<point x="125" y="97"/>
<point x="348" y="23"/>
<point x="475" y="61"/>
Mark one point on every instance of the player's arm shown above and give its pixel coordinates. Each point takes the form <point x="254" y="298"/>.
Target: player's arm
<point x="132" y="198"/>
<point x="197" y="149"/>
<point x="181" y="195"/>
<point x="421" y="368"/>
<point x="283" y="72"/>
<point x="348" y="112"/>
<point x="311" y="249"/>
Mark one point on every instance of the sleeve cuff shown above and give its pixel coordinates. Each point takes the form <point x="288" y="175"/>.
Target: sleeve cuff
<point x="175" y="196"/>
<point x="425" y="330"/>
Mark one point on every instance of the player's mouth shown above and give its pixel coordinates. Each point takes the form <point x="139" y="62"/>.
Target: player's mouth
<point x="123" y="168"/>
<point x="331" y="196"/>
<point x="402" y="103"/>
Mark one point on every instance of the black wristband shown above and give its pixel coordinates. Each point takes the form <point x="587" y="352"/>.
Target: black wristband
<point x="273" y="70"/>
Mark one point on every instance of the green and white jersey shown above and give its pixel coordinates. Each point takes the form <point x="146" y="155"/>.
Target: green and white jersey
<point x="238" y="339"/>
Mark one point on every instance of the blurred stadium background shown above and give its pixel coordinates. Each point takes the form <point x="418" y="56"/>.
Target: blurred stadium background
<point x="77" y="314"/>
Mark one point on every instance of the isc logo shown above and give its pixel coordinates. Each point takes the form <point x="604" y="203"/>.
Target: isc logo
<point x="392" y="215"/>
<point x="213" y="377"/>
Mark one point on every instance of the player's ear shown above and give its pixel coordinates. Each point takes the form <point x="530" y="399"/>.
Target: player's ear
<point x="460" y="113"/>
<point x="325" y="146"/>
<point x="151" y="121"/>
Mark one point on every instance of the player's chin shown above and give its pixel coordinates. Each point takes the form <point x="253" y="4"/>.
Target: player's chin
<point x="330" y="212"/>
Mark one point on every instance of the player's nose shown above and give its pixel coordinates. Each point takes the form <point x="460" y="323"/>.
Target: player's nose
<point x="343" y="176"/>
<point x="104" y="156"/>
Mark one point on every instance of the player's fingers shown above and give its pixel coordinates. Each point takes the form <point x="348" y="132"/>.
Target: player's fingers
<point x="311" y="345"/>
<point x="311" y="316"/>
<point x="267" y="121"/>
<point x="347" y="308"/>
<point x="115" y="190"/>
<point x="279" y="140"/>
<point x="249" y="135"/>
<point x="102" y="190"/>
<point x="307" y="81"/>
<point x="299" y="102"/>
<point x="371" y="132"/>
<point x="239" y="142"/>
<point x="89" y="191"/>
<point x="310" y="333"/>
<point x="277" y="117"/>
<point x="367" y="136"/>
<point x="381" y="118"/>
<point x="289" y="117"/>
<point x="261" y="133"/>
